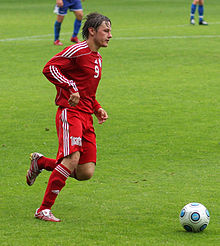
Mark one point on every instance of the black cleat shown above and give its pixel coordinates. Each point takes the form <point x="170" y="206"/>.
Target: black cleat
<point x="204" y="23"/>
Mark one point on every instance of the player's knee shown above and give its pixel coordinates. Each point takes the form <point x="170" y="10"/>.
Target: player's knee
<point x="85" y="171"/>
<point x="79" y="15"/>
<point x="86" y="175"/>
<point x="60" y="18"/>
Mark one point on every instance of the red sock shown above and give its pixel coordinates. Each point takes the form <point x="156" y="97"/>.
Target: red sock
<point x="47" y="163"/>
<point x="55" y="184"/>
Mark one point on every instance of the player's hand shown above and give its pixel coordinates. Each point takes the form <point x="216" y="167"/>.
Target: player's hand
<point x="59" y="3"/>
<point x="74" y="99"/>
<point x="101" y="115"/>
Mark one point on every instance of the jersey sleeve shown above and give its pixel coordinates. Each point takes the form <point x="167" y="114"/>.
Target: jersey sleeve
<point x="96" y="106"/>
<point x="53" y="72"/>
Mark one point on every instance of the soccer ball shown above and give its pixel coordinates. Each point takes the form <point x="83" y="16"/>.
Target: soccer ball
<point x="194" y="217"/>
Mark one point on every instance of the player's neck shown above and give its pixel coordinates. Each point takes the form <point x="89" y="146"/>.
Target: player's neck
<point x="93" y="47"/>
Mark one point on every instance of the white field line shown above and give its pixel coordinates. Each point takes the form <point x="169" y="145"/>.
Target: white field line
<point x="167" y="37"/>
<point x="26" y="38"/>
<point x="168" y="26"/>
<point x="41" y="37"/>
<point x="47" y="36"/>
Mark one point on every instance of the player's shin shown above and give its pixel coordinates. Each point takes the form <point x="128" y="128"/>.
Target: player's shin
<point x="56" y="182"/>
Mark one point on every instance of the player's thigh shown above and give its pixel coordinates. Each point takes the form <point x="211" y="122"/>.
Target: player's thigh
<point x="62" y="11"/>
<point x="89" y="150"/>
<point x="87" y="161"/>
<point x="76" y="7"/>
<point x="69" y="131"/>
<point x="78" y="14"/>
<point x="85" y="171"/>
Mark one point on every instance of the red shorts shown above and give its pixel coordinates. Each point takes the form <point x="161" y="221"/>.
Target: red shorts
<point x="75" y="133"/>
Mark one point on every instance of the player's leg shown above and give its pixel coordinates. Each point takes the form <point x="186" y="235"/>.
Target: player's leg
<point x="55" y="184"/>
<point x="38" y="163"/>
<point x="47" y="163"/>
<point x="87" y="161"/>
<point x="84" y="171"/>
<point x="69" y="130"/>
<point x="60" y="12"/>
<point x="78" y="11"/>
<point x="201" y="13"/>
<point x="192" y="13"/>
<point x="57" y="28"/>
<point x="57" y="179"/>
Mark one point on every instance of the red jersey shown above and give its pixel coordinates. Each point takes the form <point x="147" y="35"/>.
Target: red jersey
<point x="76" y="69"/>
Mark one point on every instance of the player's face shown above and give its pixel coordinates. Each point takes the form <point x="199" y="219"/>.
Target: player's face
<point x="103" y="34"/>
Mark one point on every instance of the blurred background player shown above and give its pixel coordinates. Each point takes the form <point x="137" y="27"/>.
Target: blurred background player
<point x="76" y="72"/>
<point x="61" y="9"/>
<point x="200" y="11"/>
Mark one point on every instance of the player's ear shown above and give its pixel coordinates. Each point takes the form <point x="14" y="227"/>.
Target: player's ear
<point x="91" y="31"/>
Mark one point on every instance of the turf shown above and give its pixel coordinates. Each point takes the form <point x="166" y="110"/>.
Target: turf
<point x="160" y="148"/>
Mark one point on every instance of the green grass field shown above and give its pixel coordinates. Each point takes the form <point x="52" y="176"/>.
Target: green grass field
<point x="160" y="148"/>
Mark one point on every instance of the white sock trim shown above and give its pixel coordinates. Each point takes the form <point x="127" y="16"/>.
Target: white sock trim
<point x="62" y="171"/>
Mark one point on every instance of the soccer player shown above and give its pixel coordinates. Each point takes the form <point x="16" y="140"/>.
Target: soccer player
<point x="76" y="72"/>
<point x="200" y="11"/>
<point x="61" y="10"/>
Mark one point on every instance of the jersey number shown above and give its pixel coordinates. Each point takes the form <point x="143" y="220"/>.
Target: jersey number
<point x="96" y="75"/>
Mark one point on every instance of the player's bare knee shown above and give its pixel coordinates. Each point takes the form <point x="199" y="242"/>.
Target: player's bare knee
<point x="85" y="171"/>
<point x="79" y="15"/>
<point x="81" y="176"/>
<point x="85" y="175"/>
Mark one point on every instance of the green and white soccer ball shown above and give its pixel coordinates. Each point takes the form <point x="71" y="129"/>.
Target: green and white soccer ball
<point x="194" y="217"/>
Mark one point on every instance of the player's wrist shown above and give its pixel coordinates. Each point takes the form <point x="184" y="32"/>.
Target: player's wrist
<point x="97" y="109"/>
<point x="72" y="90"/>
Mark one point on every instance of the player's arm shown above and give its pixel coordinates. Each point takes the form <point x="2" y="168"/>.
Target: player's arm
<point x="101" y="115"/>
<point x="53" y="73"/>
<point x="96" y="106"/>
<point x="99" y="112"/>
